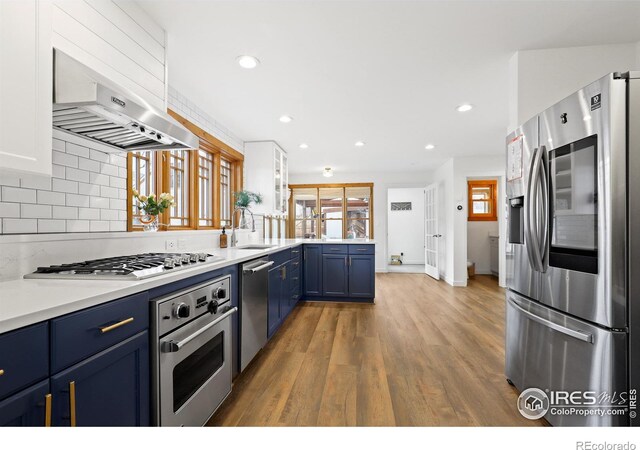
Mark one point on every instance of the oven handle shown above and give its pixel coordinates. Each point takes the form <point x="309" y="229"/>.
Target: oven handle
<point x="173" y="346"/>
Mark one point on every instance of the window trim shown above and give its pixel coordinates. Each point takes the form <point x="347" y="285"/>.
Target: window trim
<point x="291" y="229"/>
<point x="493" y="201"/>
<point x="208" y="143"/>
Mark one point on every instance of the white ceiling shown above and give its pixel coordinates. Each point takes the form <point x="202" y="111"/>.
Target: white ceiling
<point x="389" y="73"/>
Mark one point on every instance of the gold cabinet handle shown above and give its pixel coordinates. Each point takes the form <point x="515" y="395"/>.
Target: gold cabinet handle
<point x="47" y="410"/>
<point x="1" y="372"/>
<point x="116" y="325"/>
<point x="72" y="403"/>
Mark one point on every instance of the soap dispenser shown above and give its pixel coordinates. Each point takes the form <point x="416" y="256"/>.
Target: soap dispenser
<point x="223" y="239"/>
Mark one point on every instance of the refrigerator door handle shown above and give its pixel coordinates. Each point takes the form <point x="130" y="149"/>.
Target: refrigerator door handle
<point x="528" y="213"/>
<point x="534" y="217"/>
<point x="577" y="334"/>
<point x="545" y="209"/>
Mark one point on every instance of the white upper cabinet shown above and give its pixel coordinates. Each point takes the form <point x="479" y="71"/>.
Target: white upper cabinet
<point x="26" y="74"/>
<point x="267" y="173"/>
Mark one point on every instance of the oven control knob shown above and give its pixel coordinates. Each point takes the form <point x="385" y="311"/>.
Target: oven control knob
<point x="169" y="263"/>
<point x="202" y="256"/>
<point x="213" y="307"/>
<point x="185" y="258"/>
<point x="220" y="293"/>
<point x="181" y="311"/>
<point x="193" y="257"/>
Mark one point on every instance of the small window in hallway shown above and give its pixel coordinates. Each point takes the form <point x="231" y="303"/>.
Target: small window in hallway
<point x="482" y="200"/>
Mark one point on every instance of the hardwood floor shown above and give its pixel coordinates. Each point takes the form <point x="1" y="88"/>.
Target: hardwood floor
<point x="426" y="354"/>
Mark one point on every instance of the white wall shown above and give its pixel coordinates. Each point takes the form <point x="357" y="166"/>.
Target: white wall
<point x="117" y="39"/>
<point x="478" y="250"/>
<point x="381" y="183"/>
<point x="406" y="228"/>
<point x="540" y="78"/>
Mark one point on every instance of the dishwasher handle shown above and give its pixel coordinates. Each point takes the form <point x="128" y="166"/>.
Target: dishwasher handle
<point x="250" y="270"/>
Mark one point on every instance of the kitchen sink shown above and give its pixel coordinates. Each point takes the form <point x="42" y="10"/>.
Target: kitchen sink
<point x="254" y="247"/>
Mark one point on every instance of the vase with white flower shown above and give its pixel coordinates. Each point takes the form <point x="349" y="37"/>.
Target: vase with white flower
<point x="152" y="206"/>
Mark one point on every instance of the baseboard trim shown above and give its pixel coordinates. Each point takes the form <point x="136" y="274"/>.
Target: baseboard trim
<point x="455" y="283"/>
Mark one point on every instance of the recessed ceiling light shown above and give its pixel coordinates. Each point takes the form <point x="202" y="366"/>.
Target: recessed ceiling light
<point x="464" y="107"/>
<point x="303" y="145"/>
<point x="248" y="62"/>
<point x="429" y="146"/>
<point x="286" y="119"/>
<point x="327" y="172"/>
<point x="359" y="144"/>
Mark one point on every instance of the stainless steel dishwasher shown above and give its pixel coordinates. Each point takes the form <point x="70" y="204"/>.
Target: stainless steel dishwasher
<point x="254" y="291"/>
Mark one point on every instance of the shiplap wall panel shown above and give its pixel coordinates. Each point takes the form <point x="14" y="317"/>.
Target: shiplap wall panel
<point x="75" y="25"/>
<point x="105" y="30"/>
<point x="137" y="14"/>
<point x="130" y="27"/>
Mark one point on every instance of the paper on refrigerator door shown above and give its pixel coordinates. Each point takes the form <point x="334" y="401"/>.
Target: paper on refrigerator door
<point x="514" y="158"/>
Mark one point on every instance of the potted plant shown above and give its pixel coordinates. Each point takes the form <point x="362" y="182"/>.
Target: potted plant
<point x="152" y="207"/>
<point x="243" y="200"/>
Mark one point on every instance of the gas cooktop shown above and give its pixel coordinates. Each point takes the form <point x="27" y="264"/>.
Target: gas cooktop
<point x="133" y="267"/>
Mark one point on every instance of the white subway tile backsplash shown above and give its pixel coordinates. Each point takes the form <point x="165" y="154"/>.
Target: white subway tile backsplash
<point x="109" y="192"/>
<point x="99" y="156"/>
<point x="118" y="226"/>
<point x="98" y="178"/>
<point x="35" y="182"/>
<point x="77" y="226"/>
<point x="50" y="198"/>
<point x="122" y="172"/>
<point x="89" y="213"/>
<point x="77" y="200"/>
<point x="88" y="164"/>
<point x="65" y="212"/>
<point x="57" y="171"/>
<point x="99" y="202"/>
<point x="98" y="225"/>
<point x="77" y="175"/>
<point x="77" y="150"/>
<point x="117" y="160"/>
<point x="117" y="204"/>
<point x="109" y="169"/>
<point x="65" y="159"/>
<point x="28" y="211"/>
<point x="51" y="226"/>
<point x="9" y="209"/>
<point x="122" y="215"/>
<point x="108" y="214"/>
<point x="122" y="193"/>
<point x="9" y="180"/>
<point x="58" y="144"/>
<point x="19" y="226"/>
<point x="65" y="186"/>
<point x="18" y="195"/>
<point x="88" y="189"/>
<point x="118" y="182"/>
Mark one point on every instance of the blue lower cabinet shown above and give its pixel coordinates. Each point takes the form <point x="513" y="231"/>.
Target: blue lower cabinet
<point x="362" y="276"/>
<point x="275" y="294"/>
<point x="335" y="275"/>
<point x="312" y="269"/>
<point x="27" y="408"/>
<point x="285" y="304"/>
<point x="107" y="389"/>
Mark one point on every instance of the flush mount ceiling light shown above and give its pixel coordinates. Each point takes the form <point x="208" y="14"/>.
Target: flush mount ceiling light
<point x="359" y="144"/>
<point x="464" y="107"/>
<point x="286" y="119"/>
<point x="327" y="172"/>
<point x="304" y="146"/>
<point x="248" y="62"/>
<point x="429" y="146"/>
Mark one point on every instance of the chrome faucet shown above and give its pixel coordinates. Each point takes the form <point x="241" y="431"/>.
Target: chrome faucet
<point x="234" y="238"/>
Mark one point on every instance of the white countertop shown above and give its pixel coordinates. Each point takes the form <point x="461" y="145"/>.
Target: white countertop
<point x="25" y="302"/>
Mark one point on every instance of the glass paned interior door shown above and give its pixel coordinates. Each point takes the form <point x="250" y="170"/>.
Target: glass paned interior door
<point x="277" y="179"/>
<point x="305" y="203"/>
<point x="285" y="183"/>
<point x="574" y="202"/>
<point x="358" y="212"/>
<point x="331" y="208"/>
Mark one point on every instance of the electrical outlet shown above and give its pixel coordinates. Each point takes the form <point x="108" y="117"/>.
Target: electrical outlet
<point x="182" y="244"/>
<point x="171" y="245"/>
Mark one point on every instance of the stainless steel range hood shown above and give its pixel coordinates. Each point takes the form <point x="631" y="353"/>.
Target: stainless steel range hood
<point x="88" y="104"/>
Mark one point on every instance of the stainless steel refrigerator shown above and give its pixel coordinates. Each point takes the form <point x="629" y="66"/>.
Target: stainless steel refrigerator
<point x="573" y="252"/>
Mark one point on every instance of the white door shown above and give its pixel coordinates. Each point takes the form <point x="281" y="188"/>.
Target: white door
<point x="431" y="236"/>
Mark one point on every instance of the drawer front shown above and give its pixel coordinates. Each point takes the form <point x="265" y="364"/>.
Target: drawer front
<point x="335" y="248"/>
<point x="296" y="252"/>
<point x="280" y="257"/>
<point x="361" y="249"/>
<point x="295" y="263"/>
<point x="79" y="335"/>
<point x="24" y="358"/>
<point x="294" y="280"/>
